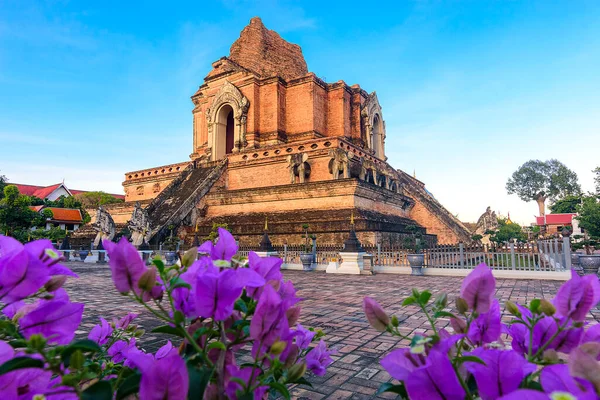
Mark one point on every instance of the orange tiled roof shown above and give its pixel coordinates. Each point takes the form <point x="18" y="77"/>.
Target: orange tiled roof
<point x="65" y="214"/>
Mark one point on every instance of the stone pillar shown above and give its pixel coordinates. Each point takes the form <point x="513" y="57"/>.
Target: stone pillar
<point x="101" y="254"/>
<point x="352" y="256"/>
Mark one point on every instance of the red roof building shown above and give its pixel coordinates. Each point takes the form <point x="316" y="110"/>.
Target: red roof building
<point x="64" y="218"/>
<point x="53" y="192"/>
<point x="554" y="223"/>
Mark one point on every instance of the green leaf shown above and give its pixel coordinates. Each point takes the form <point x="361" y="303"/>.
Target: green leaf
<point x="216" y="345"/>
<point x="416" y="339"/>
<point x="439" y="314"/>
<point x="415" y="293"/>
<point x="390" y="387"/>
<point x="463" y="359"/>
<point x="178" y="317"/>
<point x="129" y="386"/>
<point x="281" y="389"/>
<point x="240" y="305"/>
<point x="424" y="297"/>
<point x="409" y="300"/>
<point x="85" y="346"/>
<point x="20" y="363"/>
<point x="199" y="379"/>
<point x="534" y="306"/>
<point x="303" y="381"/>
<point x="160" y="266"/>
<point x="177" y="282"/>
<point x="98" y="391"/>
<point x="169" y="330"/>
<point x="19" y="343"/>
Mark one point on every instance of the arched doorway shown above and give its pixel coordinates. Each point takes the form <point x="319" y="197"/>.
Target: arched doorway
<point x="225" y="132"/>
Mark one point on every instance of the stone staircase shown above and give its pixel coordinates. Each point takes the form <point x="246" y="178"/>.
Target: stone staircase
<point x="180" y="197"/>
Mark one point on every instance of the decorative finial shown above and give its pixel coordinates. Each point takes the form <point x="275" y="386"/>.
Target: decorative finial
<point x="266" y="223"/>
<point x="352" y="218"/>
<point x="415" y="173"/>
<point x="196" y="226"/>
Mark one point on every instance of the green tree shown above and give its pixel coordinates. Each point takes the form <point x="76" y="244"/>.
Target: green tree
<point x="568" y="204"/>
<point x="96" y="199"/>
<point x="540" y="180"/>
<point x="589" y="220"/>
<point x="507" y="231"/>
<point x="596" y="171"/>
<point x="3" y="183"/>
<point x="15" y="214"/>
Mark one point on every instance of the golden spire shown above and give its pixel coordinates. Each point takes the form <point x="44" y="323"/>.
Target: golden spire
<point x="352" y="218"/>
<point x="196" y="226"/>
<point x="508" y="221"/>
<point x="266" y="223"/>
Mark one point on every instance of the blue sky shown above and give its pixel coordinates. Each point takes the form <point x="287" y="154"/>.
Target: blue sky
<point x="470" y="89"/>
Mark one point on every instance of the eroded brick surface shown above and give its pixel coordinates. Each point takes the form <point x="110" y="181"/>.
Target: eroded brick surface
<point x="331" y="303"/>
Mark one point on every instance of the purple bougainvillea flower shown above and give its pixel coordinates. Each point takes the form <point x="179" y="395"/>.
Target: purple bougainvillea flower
<point x="583" y="364"/>
<point x="165" y="379"/>
<point x="556" y="379"/>
<point x="269" y="322"/>
<point x="576" y="297"/>
<point x="269" y="268"/>
<point x="101" y="332"/>
<point x="478" y="289"/>
<point x="401" y="363"/>
<point x="183" y="297"/>
<point x="165" y="350"/>
<point x="11" y="310"/>
<point x="124" y="322"/>
<point x="21" y="274"/>
<point x="543" y="331"/>
<point x="568" y="339"/>
<point x="502" y="373"/>
<point x="216" y="292"/>
<point x="487" y="327"/>
<point x="233" y="386"/>
<point x="436" y="381"/>
<point x="126" y="265"/>
<point x="224" y="249"/>
<point x="375" y="314"/>
<point x="303" y="337"/>
<point x="318" y="359"/>
<point x="56" y="320"/>
<point x="287" y="292"/>
<point x="120" y="349"/>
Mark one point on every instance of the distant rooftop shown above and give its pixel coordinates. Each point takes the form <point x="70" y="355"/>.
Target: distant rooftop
<point x="43" y="192"/>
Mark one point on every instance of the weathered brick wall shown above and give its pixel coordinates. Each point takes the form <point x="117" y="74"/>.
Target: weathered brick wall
<point x="263" y="51"/>
<point x="434" y="224"/>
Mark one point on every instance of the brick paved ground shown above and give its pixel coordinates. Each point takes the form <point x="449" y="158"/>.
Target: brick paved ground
<point x="332" y="303"/>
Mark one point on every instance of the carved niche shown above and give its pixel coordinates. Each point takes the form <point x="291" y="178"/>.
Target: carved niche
<point x="230" y="95"/>
<point x="373" y="125"/>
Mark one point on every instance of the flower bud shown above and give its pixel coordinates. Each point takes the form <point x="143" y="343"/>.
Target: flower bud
<point x="37" y="341"/>
<point x="377" y="318"/>
<point x="277" y="347"/>
<point x="296" y="372"/>
<point x="55" y="283"/>
<point x="513" y="309"/>
<point x="39" y="397"/>
<point x="547" y="308"/>
<point x="461" y="305"/>
<point x="76" y="360"/>
<point x="459" y="325"/>
<point x="442" y="300"/>
<point x="578" y="324"/>
<point x="139" y="333"/>
<point x="292" y="314"/>
<point x="147" y="280"/>
<point x="189" y="257"/>
<point x="550" y="356"/>
<point x="395" y="321"/>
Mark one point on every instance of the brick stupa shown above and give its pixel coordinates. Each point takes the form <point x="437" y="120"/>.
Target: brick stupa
<point x="271" y="139"/>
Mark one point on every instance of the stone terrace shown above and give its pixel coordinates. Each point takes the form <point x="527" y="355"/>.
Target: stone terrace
<point x="331" y="303"/>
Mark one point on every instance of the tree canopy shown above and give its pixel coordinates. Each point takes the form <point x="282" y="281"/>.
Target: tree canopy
<point x="568" y="204"/>
<point x="506" y="231"/>
<point x="537" y="180"/>
<point x="589" y="216"/>
<point x="96" y="199"/>
<point x="596" y="171"/>
<point x="16" y="218"/>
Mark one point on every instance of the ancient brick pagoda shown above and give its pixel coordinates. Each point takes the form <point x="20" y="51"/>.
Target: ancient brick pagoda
<point x="271" y="139"/>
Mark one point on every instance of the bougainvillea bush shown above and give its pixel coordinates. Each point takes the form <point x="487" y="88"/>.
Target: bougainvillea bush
<point x="547" y="350"/>
<point x="213" y="307"/>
